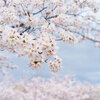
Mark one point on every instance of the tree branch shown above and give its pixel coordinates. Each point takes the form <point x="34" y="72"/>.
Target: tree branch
<point x="51" y="17"/>
<point x="39" y="11"/>
<point x="25" y="30"/>
<point x="89" y="38"/>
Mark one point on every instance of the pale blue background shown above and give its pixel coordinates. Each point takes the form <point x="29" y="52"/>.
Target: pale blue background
<point x="82" y="59"/>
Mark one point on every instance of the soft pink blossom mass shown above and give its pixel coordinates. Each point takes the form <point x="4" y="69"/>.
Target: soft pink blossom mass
<point x="32" y="28"/>
<point x="51" y="89"/>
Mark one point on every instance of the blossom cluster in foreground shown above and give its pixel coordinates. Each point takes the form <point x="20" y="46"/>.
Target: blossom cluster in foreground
<point x="38" y="51"/>
<point x="51" y="89"/>
<point x="32" y="28"/>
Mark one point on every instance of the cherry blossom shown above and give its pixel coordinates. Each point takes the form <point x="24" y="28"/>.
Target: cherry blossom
<point x="32" y="28"/>
<point x="52" y="89"/>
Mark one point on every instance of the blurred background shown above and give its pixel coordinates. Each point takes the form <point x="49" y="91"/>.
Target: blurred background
<point x="82" y="60"/>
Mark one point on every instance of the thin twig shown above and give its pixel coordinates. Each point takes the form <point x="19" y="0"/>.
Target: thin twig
<point x="25" y="30"/>
<point x="51" y="17"/>
<point x="39" y="11"/>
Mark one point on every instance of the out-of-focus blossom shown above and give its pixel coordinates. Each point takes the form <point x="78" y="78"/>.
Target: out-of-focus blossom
<point x="51" y="89"/>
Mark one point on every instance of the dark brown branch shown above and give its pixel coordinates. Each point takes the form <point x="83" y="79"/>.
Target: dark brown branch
<point x="51" y="17"/>
<point x="46" y="61"/>
<point x="54" y="8"/>
<point x="25" y="30"/>
<point x="39" y="11"/>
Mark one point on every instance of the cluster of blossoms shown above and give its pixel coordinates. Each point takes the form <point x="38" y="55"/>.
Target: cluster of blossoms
<point x="32" y="27"/>
<point x="68" y="37"/>
<point x="52" y="89"/>
<point x="56" y="65"/>
<point x="37" y="50"/>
